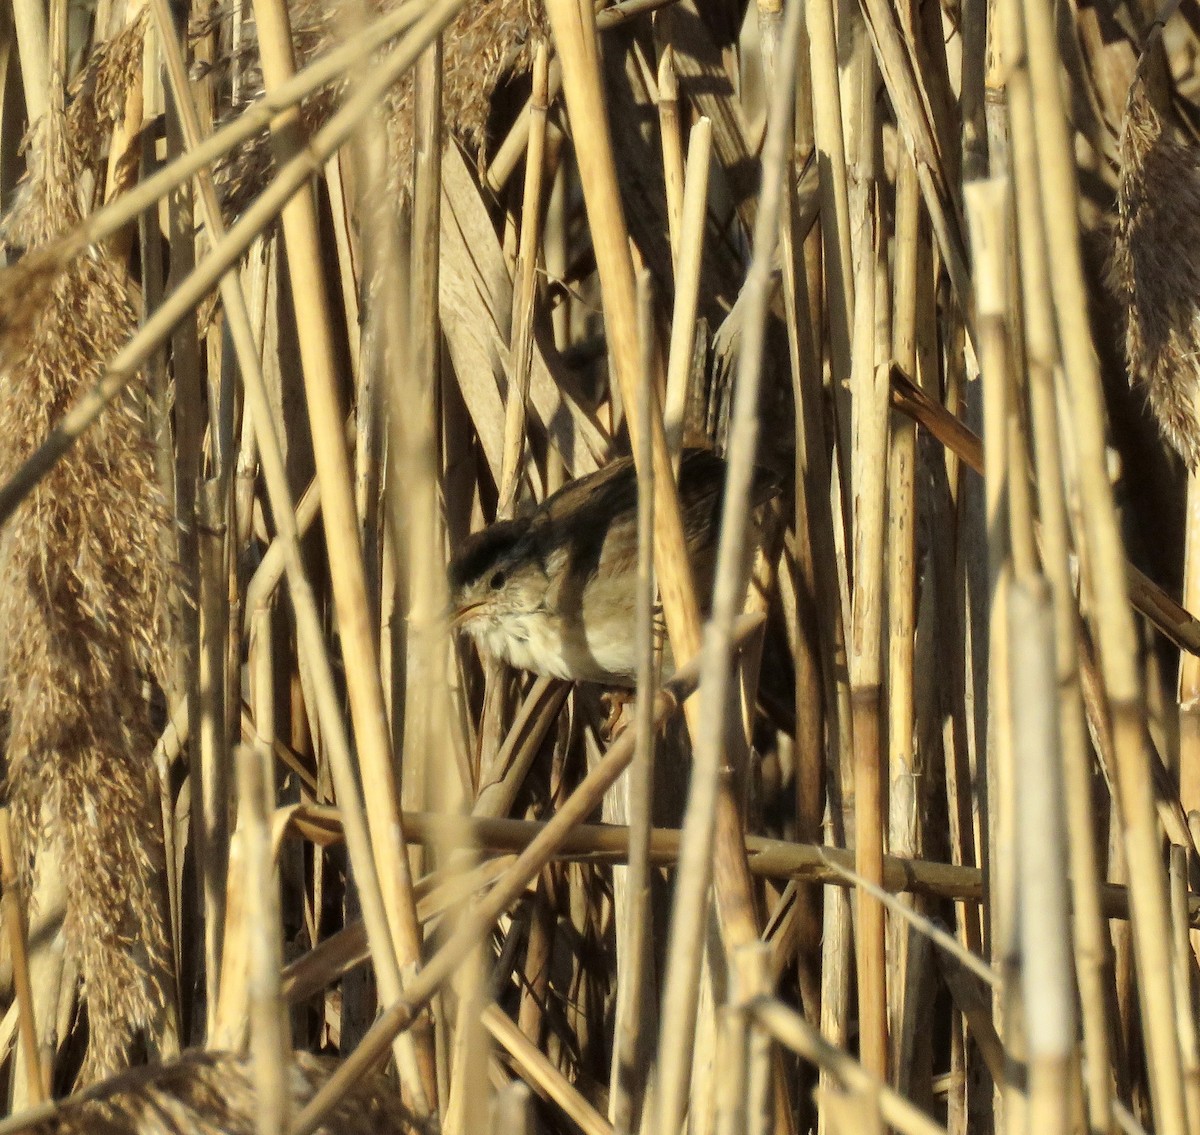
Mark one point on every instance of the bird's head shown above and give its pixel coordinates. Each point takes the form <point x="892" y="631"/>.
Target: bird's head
<point x="497" y="580"/>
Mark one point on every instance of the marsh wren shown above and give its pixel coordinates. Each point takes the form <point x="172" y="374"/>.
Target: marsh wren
<point x="553" y="592"/>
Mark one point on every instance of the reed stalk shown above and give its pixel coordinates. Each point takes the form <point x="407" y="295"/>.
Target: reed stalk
<point x="492" y="253"/>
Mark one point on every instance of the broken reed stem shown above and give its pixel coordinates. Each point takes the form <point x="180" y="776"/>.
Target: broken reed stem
<point x="1046" y="972"/>
<point x="344" y="550"/>
<point x="14" y="921"/>
<point x="295" y="175"/>
<point x="1104" y="575"/>
<point x="689" y="253"/>
<point x="310" y="630"/>
<point x="521" y="332"/>
<point x="516" y="143"/>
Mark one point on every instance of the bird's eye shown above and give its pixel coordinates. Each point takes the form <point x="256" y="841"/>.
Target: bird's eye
<point x="497" y="581"/>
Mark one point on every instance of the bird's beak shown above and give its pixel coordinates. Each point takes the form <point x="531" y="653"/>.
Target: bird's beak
<point x="462" y="615"/>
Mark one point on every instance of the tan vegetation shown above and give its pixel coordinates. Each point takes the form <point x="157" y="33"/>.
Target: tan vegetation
<point x="909" y="843"/>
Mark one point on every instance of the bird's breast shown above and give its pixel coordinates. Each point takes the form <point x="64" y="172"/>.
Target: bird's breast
<point x="589" y="637"/>
<point x="529" y="641"/>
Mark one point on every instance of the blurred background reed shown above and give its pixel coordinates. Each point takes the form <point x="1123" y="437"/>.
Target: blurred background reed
<point x="297" y="296"/>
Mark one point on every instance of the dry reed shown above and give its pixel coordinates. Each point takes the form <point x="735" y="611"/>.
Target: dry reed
<point x="472" y="249"/>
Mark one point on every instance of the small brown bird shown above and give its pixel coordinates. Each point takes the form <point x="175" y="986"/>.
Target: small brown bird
<point x="553" y="592"/>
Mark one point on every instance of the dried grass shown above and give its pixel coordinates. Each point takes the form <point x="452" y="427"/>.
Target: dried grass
<point x="212" y="1093"/>
<point x="96" y="100"/>
<point x="83" y="581"/>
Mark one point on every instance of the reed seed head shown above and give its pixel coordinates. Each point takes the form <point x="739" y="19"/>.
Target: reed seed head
<point x="1155" y="271"/>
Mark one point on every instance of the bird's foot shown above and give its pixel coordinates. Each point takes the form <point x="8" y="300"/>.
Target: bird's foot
<point x="618" y="703"/>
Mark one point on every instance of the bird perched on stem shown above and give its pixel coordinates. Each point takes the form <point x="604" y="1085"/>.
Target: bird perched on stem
<point x="553" y="592"/>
